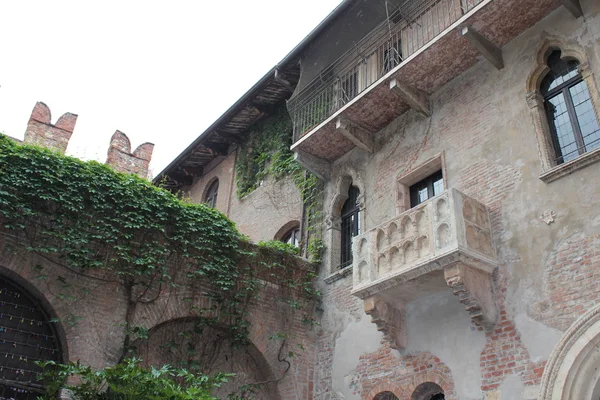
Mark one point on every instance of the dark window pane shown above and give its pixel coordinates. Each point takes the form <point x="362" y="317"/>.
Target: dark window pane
<point x="211" y="194"/>
<point x="426" y="188"/>
<point x="350" y="225"/>
<point x="560" y="72"/>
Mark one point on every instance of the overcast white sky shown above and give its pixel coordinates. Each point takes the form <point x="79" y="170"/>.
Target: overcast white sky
<point x="158" y="71"/>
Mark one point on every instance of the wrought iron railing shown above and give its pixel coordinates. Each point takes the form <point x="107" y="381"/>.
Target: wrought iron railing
<point x="407" y="29"/>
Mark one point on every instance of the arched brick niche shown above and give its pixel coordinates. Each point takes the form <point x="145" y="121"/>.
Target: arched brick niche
<point x="27" y="335"/>
<point x="186" y="342"/>
<point x="428" y="391"/>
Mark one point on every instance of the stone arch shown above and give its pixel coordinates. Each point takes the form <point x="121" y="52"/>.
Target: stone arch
<point x="44" y="304"/>
<point x="424" y="382"/>
<point x="385" y="386"/>
<point x="535" y="101"/>
<point x="348" y="177"/>
<point x="25" y="316"/>
<point x="540" y="69"/>
<point x="189" y="343"/>
<point x="572" y="369"/>
<point x="426" y="391"/>
<point x="287" y="227"/>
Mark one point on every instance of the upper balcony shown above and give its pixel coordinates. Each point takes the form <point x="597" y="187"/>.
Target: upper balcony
<point x="445" y="241"/>
<point x="424" y="45"/>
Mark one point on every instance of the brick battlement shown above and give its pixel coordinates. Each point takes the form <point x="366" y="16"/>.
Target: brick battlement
<point x="42" y="132"/>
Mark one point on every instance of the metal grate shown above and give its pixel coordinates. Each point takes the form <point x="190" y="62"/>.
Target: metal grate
<point x="26" y="336"/>
<point x="410" y="27"/>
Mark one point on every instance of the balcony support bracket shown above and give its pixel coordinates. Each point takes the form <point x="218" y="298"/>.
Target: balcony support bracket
<point x="486" y="48"/>
<point x="319" y="167"/>
<point x="356" y="134"/>
<point x="416" y="99"/>
<point x="474" y="288"/>
<point x="574" y="7"/>
<point x="389" y="320"/>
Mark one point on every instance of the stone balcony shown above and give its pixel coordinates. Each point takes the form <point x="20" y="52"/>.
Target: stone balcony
<point x="443" y="242"/>
<point x="364" y="94"/>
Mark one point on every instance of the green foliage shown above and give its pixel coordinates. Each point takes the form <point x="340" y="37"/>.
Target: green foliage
<point x="93" y="218"/>
<point x="315" y="250"/>
<point x="267" y="152"/>
<point x="279" y="246"/>
<point x="129" y="381"/>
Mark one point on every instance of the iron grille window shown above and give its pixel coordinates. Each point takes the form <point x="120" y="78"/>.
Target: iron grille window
<point x="26" y="336"/>
<point x="211" y="195"/>
<point x="427" y="188"/>
<point x="569" y="109"/>
<point x="350" y="225"/>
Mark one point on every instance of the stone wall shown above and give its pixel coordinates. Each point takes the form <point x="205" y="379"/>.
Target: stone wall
<point x="546" y="236"/>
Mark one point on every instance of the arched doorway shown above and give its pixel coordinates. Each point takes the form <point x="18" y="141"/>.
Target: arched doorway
<point x="385" y="396"/>
<point x="572" y="372"/>
<point x="190" y="344"/>
<point x="26" y="336"/>
<point x="428" y="391"/>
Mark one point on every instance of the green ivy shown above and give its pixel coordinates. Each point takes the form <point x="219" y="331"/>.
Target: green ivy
<point x="128" y="380"/>
<point x="90" y="217"/>
<point x="267" y="153"/>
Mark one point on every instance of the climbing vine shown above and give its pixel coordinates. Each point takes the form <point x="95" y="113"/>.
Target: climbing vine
<point x="267" y="153"/>
<point x="87" y="217"/>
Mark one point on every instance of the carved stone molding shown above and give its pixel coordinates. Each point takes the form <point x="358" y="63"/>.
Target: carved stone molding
<point x="389" y="320"/>
<point x="568" y="374"/>
<point x="475" y="290"/>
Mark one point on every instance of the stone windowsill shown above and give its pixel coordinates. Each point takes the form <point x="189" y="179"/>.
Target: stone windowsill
<point x="339" y="274"/>
<point x="571" y="166"/>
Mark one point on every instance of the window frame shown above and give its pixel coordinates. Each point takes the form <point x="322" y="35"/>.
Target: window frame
<point x="550" y="169"/>
<point x="212" y="193"/>
<point x="350" y="226"/>
<point x="428" y="183"/>
<point x="564" y="89"/>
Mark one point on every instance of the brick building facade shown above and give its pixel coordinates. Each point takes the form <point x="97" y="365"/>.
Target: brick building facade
<point x="474" y="227"/>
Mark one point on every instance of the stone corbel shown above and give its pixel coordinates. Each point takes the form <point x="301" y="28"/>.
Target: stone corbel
<point x="486" y="48"/>
<point x="475" y="290"/>
<point x="356" y="134"/>
<point x="415" y="98"/>
<point x="319" y="167"/>
<point x="388" y="319"/>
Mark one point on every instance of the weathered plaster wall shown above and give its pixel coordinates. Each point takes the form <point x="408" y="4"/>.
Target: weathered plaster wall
<point x="547" y="272"/>
<point x="259" y="215"/>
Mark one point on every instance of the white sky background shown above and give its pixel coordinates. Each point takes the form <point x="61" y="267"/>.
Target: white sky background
<point x="160" y="72"/>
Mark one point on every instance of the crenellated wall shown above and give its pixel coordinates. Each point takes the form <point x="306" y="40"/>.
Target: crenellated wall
<point x="42" y="132"/>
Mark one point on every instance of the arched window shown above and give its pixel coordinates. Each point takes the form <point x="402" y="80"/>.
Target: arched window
<point x="26" y="336"/>
<point x="350" y="225"/>
<point x="292" y="237"/>
<point x="211" y="194"/>
<point x="571" y="117"/>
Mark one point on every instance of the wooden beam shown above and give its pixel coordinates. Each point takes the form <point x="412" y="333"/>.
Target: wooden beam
<point x="357" y="135"/>
<point x="319" y="167"/>
<point x="486" y="48"/>
<point x="416" y="99"/>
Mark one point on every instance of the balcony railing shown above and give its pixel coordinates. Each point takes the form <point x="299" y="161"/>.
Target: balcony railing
<point x="408" y="29"/>
<point x="438" y="233"/>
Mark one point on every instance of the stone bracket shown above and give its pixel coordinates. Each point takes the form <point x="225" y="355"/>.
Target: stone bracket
<point x="574" y="7"/>
<point x="416" y="99"/>
<point x="486" y="48"/>
<point x="357" y="135"/>
<point x="388" y="319"/>
<point x="319" y="167"/>
<point x="475" y="290"/>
